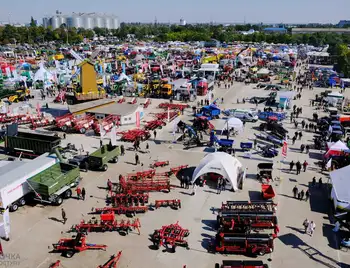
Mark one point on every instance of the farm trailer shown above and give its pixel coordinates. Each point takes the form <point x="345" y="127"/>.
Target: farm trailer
<point x="55" y="183"/>
<point x="30" y="143"/>
<point x="14" y="188"/>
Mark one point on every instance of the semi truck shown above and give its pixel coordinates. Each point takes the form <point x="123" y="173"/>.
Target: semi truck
<point x="29" y="143"/>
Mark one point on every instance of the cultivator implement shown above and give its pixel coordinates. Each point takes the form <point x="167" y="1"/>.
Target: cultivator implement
<point x="132" y="210"/>
<point x="134" y="134"/>
<point x="64" y="122"/>
<point x="147" y="103"/>
<point x="173" y="235"/>
<point x="145" y="185"/>
<point x="129" y="199"/>
<point x="107" y="124"/>
<point x="107" y="222"/>
<point x="142" y="175"/>
<point x="154" y="124"/>
<point x="164" y="116"/>
<point x="56" y="264"/>
<point x="41" y="123"/>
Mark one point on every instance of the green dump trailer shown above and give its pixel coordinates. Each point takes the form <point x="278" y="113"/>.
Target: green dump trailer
<point x="55" y="183"/>
<point x="107" y="153"/>
<point x="30" y="143"/>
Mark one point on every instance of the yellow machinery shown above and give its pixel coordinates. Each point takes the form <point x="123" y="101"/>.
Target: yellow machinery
<point x="19" y="95"/>
<point x="88" y="89"/>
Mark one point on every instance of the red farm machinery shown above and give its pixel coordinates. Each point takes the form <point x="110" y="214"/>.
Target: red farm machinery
<point x="112" y="262"/>
<point x="170" y="235"/>
<point x="108" y="223"/>
<point x="106" y="124"/>
<point x="241" y="264"/>
<point x="134" y="134"/>
<point x="70" y="246"/>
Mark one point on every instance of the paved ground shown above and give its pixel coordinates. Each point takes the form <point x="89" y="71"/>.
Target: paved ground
<point x="33" y="229"/>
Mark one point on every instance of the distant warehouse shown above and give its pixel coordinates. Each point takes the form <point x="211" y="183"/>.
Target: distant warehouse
<point x="82" y="20"/>
<point x="320" y="30"/>
<point x="275" y="30"/>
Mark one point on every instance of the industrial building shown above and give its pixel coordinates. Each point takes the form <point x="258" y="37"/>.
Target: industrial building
<point x="320" y="30"/>
<point x="82" y="20"/>
<point x="275" y="30"/>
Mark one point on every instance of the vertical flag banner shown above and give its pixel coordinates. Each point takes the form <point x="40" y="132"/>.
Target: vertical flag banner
<point x="284" y="149"/>
<point x="38" y="110"/>
<point x="168" y="114"/>
<point x="114" y="136"/>
<point x="102" y="132"/>
<point x="138" y="119"/>
<point x="123" y="68"/>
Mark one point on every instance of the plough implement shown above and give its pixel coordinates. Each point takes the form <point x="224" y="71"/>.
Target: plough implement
<point x="145" y="185"/>
<point x="175" y="203"/>
<point x="112" y="262"/>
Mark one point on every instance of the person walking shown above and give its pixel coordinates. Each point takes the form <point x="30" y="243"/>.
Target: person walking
<point x="255" y="143"/>
<point x="305" y="164"/>
<point x="302" y="147"/>
<point x="298" y="166"/>
<point x="137" y="159"/>
<point x="306" y="224"/>
<point x="311" y="228"/>
<point x="64" y="216"/>
<point x="294" y="139"/>
<point x="194" y="189"/>
<point x="302" y="193"/>
<point x="223" y="184"/>
<point x="291" y="166"/>
<point x="86" y="164"/>
<point x="83" y="193"/>
<point x="307" y="195"/>
<point x="182" y="181"/>
<point x="300" y="135"/>
<point x="295" y="191"/>
<point x="218" y="186"/>
<point x="78" y="190"/>
<point x="122" y="150"/>
<point x="307" y="148"/>
<point x="155" y="134"/>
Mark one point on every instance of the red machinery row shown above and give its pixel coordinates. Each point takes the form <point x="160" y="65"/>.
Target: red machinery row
<point x="154" y="124"/>
<point x="246" y="228"/>
<point x="173" y="106"/>
<point x="170" y="235"/>
<point x="107" y="222"/>
<point x="152" y="172"/>
<point x="165" y="115"/>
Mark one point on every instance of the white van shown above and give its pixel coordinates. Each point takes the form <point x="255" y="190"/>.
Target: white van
<point x="245" y="115"/>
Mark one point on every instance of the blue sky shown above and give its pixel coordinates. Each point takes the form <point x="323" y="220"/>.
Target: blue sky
<point x="255" y="11"/>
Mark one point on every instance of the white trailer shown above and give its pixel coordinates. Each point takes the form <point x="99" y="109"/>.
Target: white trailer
<point x="14" y="176"/>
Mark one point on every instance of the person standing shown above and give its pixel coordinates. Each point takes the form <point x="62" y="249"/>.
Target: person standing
<point x="311" y="228"/>
<point x="306" y="224"/>
<point x="122" y="150"/>
<point x="298" y="166"/>
<point x="302" y="193"/>
<point x="255" y="143"/>
<point x="194" y="189"/>
<point x="305" y="164"/>
<point x="182" y="181"/>
<point x="83" y="193"/>
<point x="137" y="159"/>
<point x="307" y="195"/>
<point x="218" y="186"/>
<point x="295" y="191"/>
<point x="78" y="190"/>
<point x="320" y="184"/>
<point x="223" y="184"/>
<point x="64" y="216"/>
<point x="291" y="165"/>
<point x="155" y="134"/>
<point x="313" y="183"/>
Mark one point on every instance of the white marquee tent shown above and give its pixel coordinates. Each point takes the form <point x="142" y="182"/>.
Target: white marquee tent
<point x="43" y="75"/>
<point x="223" y="164"/>
<point x="234" y="123"/>
<point x="340" y="193"/>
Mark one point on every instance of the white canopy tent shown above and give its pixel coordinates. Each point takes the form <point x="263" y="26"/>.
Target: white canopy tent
<point x="123" y="77"/>
<point x="340" y="193"/>
<point x="336" y="148"/>
<point x="43" y="75"/>
<point x="223" y="164"/>
<point x="234" y="123"/>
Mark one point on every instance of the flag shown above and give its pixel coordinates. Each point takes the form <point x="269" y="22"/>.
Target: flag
<point x="6" y="218"/>
<point x="168" y="114"/>
<point x="114" y="136"/>
<point x="329" y="164"/>
<point x="138" y="123"/>
<point x="284" y="149"/>
<point x="123" y="68"/>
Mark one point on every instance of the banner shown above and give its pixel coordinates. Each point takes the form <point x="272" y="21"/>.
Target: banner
<point x="168" y="114"/>
<point x="6" y="218"/>
<point x="114" y="136"/>
<point x="138" y="119"/>
<point x="38" y="110"/>
<point x="102" y="132"/>
<point x="284" y="149"/>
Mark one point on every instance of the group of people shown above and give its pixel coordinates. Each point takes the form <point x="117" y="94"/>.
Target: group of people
<point x="300" y="195"/>
<point x="309" y="227"/>
<point x="298" y="166"/>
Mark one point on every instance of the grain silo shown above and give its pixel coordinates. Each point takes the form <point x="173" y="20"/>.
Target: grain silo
<point x="62" y="20"/>
<point x="88" y="22"/>
<point x="98" y="21"/>
<point x="77" y="21"/>
<point x="55" y="22"/>
<point x="107" y="23"/>
<point x="115" y="24"/>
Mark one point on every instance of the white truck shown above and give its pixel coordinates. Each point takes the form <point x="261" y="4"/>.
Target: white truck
<point x="14" y="176"/>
